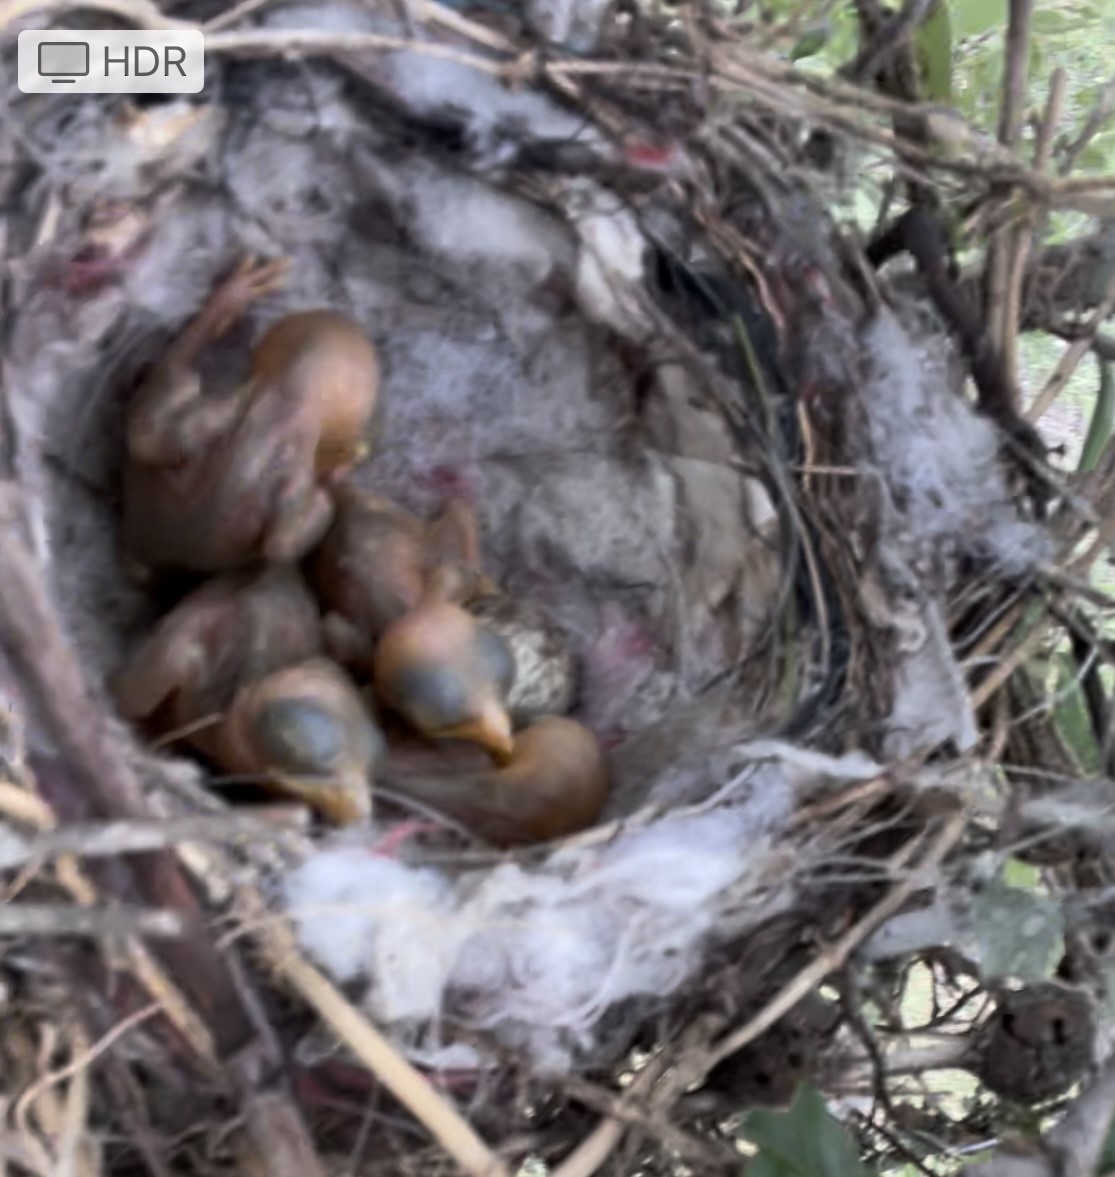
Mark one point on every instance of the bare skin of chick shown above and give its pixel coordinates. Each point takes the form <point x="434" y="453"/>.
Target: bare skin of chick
<point x="376" y="562"/>
<point x="306" y="732"/>
<point x="444" y="673"/>
<point x="555" y="784"/>
<point x="216" y="480"/>
<point x="235" y="629"/>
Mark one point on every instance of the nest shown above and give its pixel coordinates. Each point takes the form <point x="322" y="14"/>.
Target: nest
<point x="695" y="430"/>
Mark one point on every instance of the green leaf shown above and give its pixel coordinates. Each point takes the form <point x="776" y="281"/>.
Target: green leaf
<point x="806" y="1141"/>
<point x="1022" y="875"/>
<point x="1049" y="22"/>
<point x="1070" y="715"/>
<point x="1037" y="58"/>
<point x="1020" y="934"/>
<point x="933" y="48"/>
<point x="970" y="18"/>
<point x="1094" y="158"/>
<point x="812" y="41"/>
<point x="1103" y="417"/>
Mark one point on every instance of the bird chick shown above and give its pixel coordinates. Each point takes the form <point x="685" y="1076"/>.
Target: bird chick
<point x="544" y="677"/>
<point x="305" y="731"/>
<point x="444" y="673"/>
<point x="555" y="783"/>
<point x="236" y="629"/>
<point x="376" y="561"/>
<point x="214" y="481"/>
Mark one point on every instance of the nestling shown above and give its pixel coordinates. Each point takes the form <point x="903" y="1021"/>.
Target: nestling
<point x="216" y="480"/>
<point x="443" y="672"/>
<point x="305" y="731"/>
<point x="554" y="784"/>
<point x="376" y="561"/>
<point x="236" y="629"/>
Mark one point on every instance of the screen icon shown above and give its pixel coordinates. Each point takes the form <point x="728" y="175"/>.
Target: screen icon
<point x="111" y="61"/>
<point x="57" y="59"/>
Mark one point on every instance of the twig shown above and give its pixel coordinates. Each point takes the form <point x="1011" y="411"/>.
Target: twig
<point x="873" y="56"/>
<point x="837" y="954"/>
<point x="1100" y="114"/>
<point x="232" y="15"/>
<point x="72" y="1149"/>
<point x="689" y="1148"/>
<point x="48" y="919"/>
<point x="1015" y="75"/>
<point x="1007" y="665"/>
<point x="1073" y="354"/>
<point x="407" y="1084"/>
<point x="80" y="1061"/>
<point x="1020" y="241"/>
<point x="107" y="839"/>
<point x="596" y="1148"/>
<point x="1017" y="64"/>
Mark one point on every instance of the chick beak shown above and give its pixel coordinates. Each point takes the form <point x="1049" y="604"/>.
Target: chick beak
<point x="491" y="730"/>
<point x="342" y="800"/>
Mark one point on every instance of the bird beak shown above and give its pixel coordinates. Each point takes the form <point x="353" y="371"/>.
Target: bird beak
<point x="491" y="730"/>
<point x="343" y="800"/>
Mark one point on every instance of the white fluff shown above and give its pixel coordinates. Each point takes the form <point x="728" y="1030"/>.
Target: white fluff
<point x="940" y="459"/>
<point x="537" y="954"/>
<point x="947" y="496"/>
<point x="610" y="275"/>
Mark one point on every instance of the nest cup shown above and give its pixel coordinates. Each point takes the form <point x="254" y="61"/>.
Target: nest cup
<point x="561" y="346"/>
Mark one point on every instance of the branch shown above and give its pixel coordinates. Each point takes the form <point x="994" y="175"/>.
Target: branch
<point x="108" y="839"/>
<point x="51" y="919"/>
<point x="1017" y="52"/>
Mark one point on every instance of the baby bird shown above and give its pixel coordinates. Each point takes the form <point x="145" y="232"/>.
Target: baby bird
<point x="214" y="481"/>
<point x="376" y="561"/>
<point x="555" y="783"/>
<point x="306" y="731"/>
<point x="444" y="673"/>
<point x="211" y="664"/>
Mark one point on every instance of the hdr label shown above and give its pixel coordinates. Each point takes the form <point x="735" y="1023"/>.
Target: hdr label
<point x="111" y="61"/>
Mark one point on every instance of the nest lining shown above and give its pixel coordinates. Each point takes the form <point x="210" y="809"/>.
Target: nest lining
<point x="506" y="331"/>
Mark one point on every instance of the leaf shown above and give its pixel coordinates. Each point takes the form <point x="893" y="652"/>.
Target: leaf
<point x="1051" y="23"/>
<point x="812" y="41"/>
<point x="1037" y="58"/>
<point x="1103" y="417"/>
<point x="1022" y="875"/>
<point x="1070" y="715"/>
<point x="1020" y="934"/>
<point x="805" y="1141"/>
<point x="970" y="18"/>
<point x="933" y="48"/>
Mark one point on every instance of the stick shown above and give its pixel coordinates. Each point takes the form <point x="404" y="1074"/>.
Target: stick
<point x="405" y="1082"/>
<point x="107" y="839"/>
<point x="52" y="919"/>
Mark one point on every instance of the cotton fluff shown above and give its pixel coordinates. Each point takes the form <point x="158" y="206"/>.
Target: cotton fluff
<point x="537" y="954"/>
<point x="940" y="459"/>
<point x="947" y="497"/>
<point x="498" y="121"/>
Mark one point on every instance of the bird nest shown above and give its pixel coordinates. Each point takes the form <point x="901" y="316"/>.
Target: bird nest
<point x="613" y="316"/>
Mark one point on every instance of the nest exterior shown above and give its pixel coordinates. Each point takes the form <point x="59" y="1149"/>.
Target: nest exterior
<point x="742" y="481"/>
